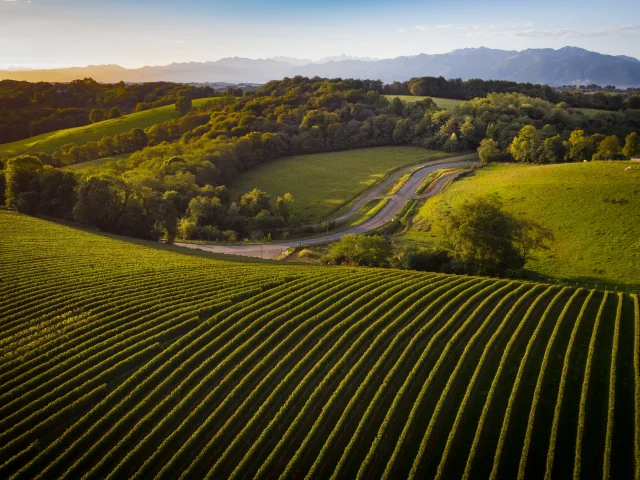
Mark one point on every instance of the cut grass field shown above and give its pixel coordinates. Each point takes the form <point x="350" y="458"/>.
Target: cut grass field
<point x="322" y="183"/>
<point x="96" y="163"/>
<point x="50" y="142"/>
<point x="446" y="103"/>
<point x="591" y="112"/>
<point x="592" y="209"/>
<point x="127" y="359"/>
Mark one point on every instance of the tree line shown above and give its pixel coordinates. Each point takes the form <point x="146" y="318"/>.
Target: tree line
<point x="29" y="109"/>
<point x="457" y="88"/>
<point x="174" y="181"/>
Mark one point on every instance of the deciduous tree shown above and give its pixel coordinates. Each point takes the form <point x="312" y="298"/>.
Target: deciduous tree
<point x="523" y="147"/>
<point x="631" y="145"/>
<point x="23" y="183"/>
<point x="183" y="105"/>
<point x="96" y="115"/>
<point x="488" y="151"/>
<point x="608" y="149"/>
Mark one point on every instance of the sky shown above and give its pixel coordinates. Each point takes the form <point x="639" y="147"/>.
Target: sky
<point x="134" y="33"/>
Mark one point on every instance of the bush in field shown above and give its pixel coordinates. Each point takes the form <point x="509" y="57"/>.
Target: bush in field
<point x="489" y="240"/>
<point x="370" y="251"/>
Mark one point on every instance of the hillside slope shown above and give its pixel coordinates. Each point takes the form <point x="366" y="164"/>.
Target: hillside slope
<point x="50" y="142"/>
<point x="591" y="208"/>
<point x="122" y="361"/>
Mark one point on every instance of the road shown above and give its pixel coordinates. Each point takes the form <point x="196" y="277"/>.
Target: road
<point x="385" y="215"/>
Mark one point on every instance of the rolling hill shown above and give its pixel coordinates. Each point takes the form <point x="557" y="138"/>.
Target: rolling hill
<point x="590" y="208"/>
<point x="52" y="141"/>
<point x="123" y="359"/>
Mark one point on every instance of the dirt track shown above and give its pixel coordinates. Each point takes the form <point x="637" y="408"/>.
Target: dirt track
<point x="393" y="206"/>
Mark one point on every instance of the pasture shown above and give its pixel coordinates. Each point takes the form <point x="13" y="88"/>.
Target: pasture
<point x="322" y="183"/>
<point x="52" y="141"/>
<point x="446" y="103"/>
<point x="591" y="208"/>
<point x="122" y="359"/>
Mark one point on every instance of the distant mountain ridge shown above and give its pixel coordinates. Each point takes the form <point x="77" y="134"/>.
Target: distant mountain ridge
<point x="564" y="66"/>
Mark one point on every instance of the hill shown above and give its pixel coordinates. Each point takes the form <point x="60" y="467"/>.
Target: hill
<point x="564" y="66"/>
<point x="50" y="142"/>
<point x="590" y="207"/>
<point x="126" y="360"/>
<point x="324" y="182"/>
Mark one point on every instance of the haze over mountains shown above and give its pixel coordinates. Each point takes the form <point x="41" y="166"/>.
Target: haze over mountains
<point x="565" y="66"/>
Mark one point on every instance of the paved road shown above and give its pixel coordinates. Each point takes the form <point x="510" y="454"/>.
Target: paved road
<point x="393" y="206"/>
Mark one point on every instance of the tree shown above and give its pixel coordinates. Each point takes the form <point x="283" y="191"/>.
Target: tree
<point x="23" y="183"/>
<point x="482" y="236"/>
<point x="114" y="112"/>
<point x="254" y="202"/>
<point x="608" y="149"/>
<point x="206" y="211"/>
<point x="283" y="205"/>
<point x="581" y="147"/>
<point x="3" y="184"/>
<point x="133" y="221"/>
<point x="634" y="101"/>
<point x="416" y="89"/>
<point x="631" y="145"/>
<point x="57" y="192"/>
<point x="183" y="105"/>
<point x="168" y="215"/>
<point x="552" y="150"/>
<point x="523" y="147"/>
<point x="96" y="115"/>
<point x="529" y="236"/>
<point x="488" y="151"/>
<point x="100" y="201"/>
<point x="363" y="250"/>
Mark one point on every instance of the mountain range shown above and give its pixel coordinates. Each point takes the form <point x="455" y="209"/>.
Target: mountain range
<point x="564" y="66"/>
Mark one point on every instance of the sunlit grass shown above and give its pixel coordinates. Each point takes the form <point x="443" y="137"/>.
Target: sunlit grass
<point x="323" y="182"/>
<point x="592" y="208"/>
<point x="52" y="141"/>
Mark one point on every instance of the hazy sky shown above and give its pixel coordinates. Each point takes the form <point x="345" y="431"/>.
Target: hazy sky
<point x="52" y="33"/>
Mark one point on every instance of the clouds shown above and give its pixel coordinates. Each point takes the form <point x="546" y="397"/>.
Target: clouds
<point x="523" y="30"/>
<point x="624" y="30"/>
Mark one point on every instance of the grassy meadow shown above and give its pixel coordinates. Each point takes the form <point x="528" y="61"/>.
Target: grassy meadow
<point x="52" y="141"/>
<point x="323" y="182"/>
<point x="446" y="103"/>
<point x="128" y="359"/>
<point x="592" y="209"/>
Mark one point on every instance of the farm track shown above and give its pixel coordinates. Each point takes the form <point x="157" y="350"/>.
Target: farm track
<point x="121" y="361"/>
<point x="387" y="213"/>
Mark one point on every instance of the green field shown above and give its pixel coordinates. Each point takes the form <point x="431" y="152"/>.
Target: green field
<point x="50" y="142"/>
<point x="121" y="359"/>
<point x="591" y="112"/>
<point x="446" y="103"/>
<point x="96" y="163"/>
<point x="322" y="183"/>
<point x="592" y="209"/>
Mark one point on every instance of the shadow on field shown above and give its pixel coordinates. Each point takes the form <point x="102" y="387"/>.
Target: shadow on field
<point x="594" y="283"/>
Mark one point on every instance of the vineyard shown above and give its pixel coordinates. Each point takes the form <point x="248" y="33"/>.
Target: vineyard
<point x="124" y="360"/>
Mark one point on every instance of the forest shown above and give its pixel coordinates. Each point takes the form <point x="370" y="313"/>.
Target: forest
<point x="173" y="183"/>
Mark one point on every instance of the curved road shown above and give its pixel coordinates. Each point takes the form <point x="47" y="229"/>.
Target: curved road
<point x="393" y="206"/>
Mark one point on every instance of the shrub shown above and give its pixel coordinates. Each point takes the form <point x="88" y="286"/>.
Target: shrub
<point x="370" y="251"/>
